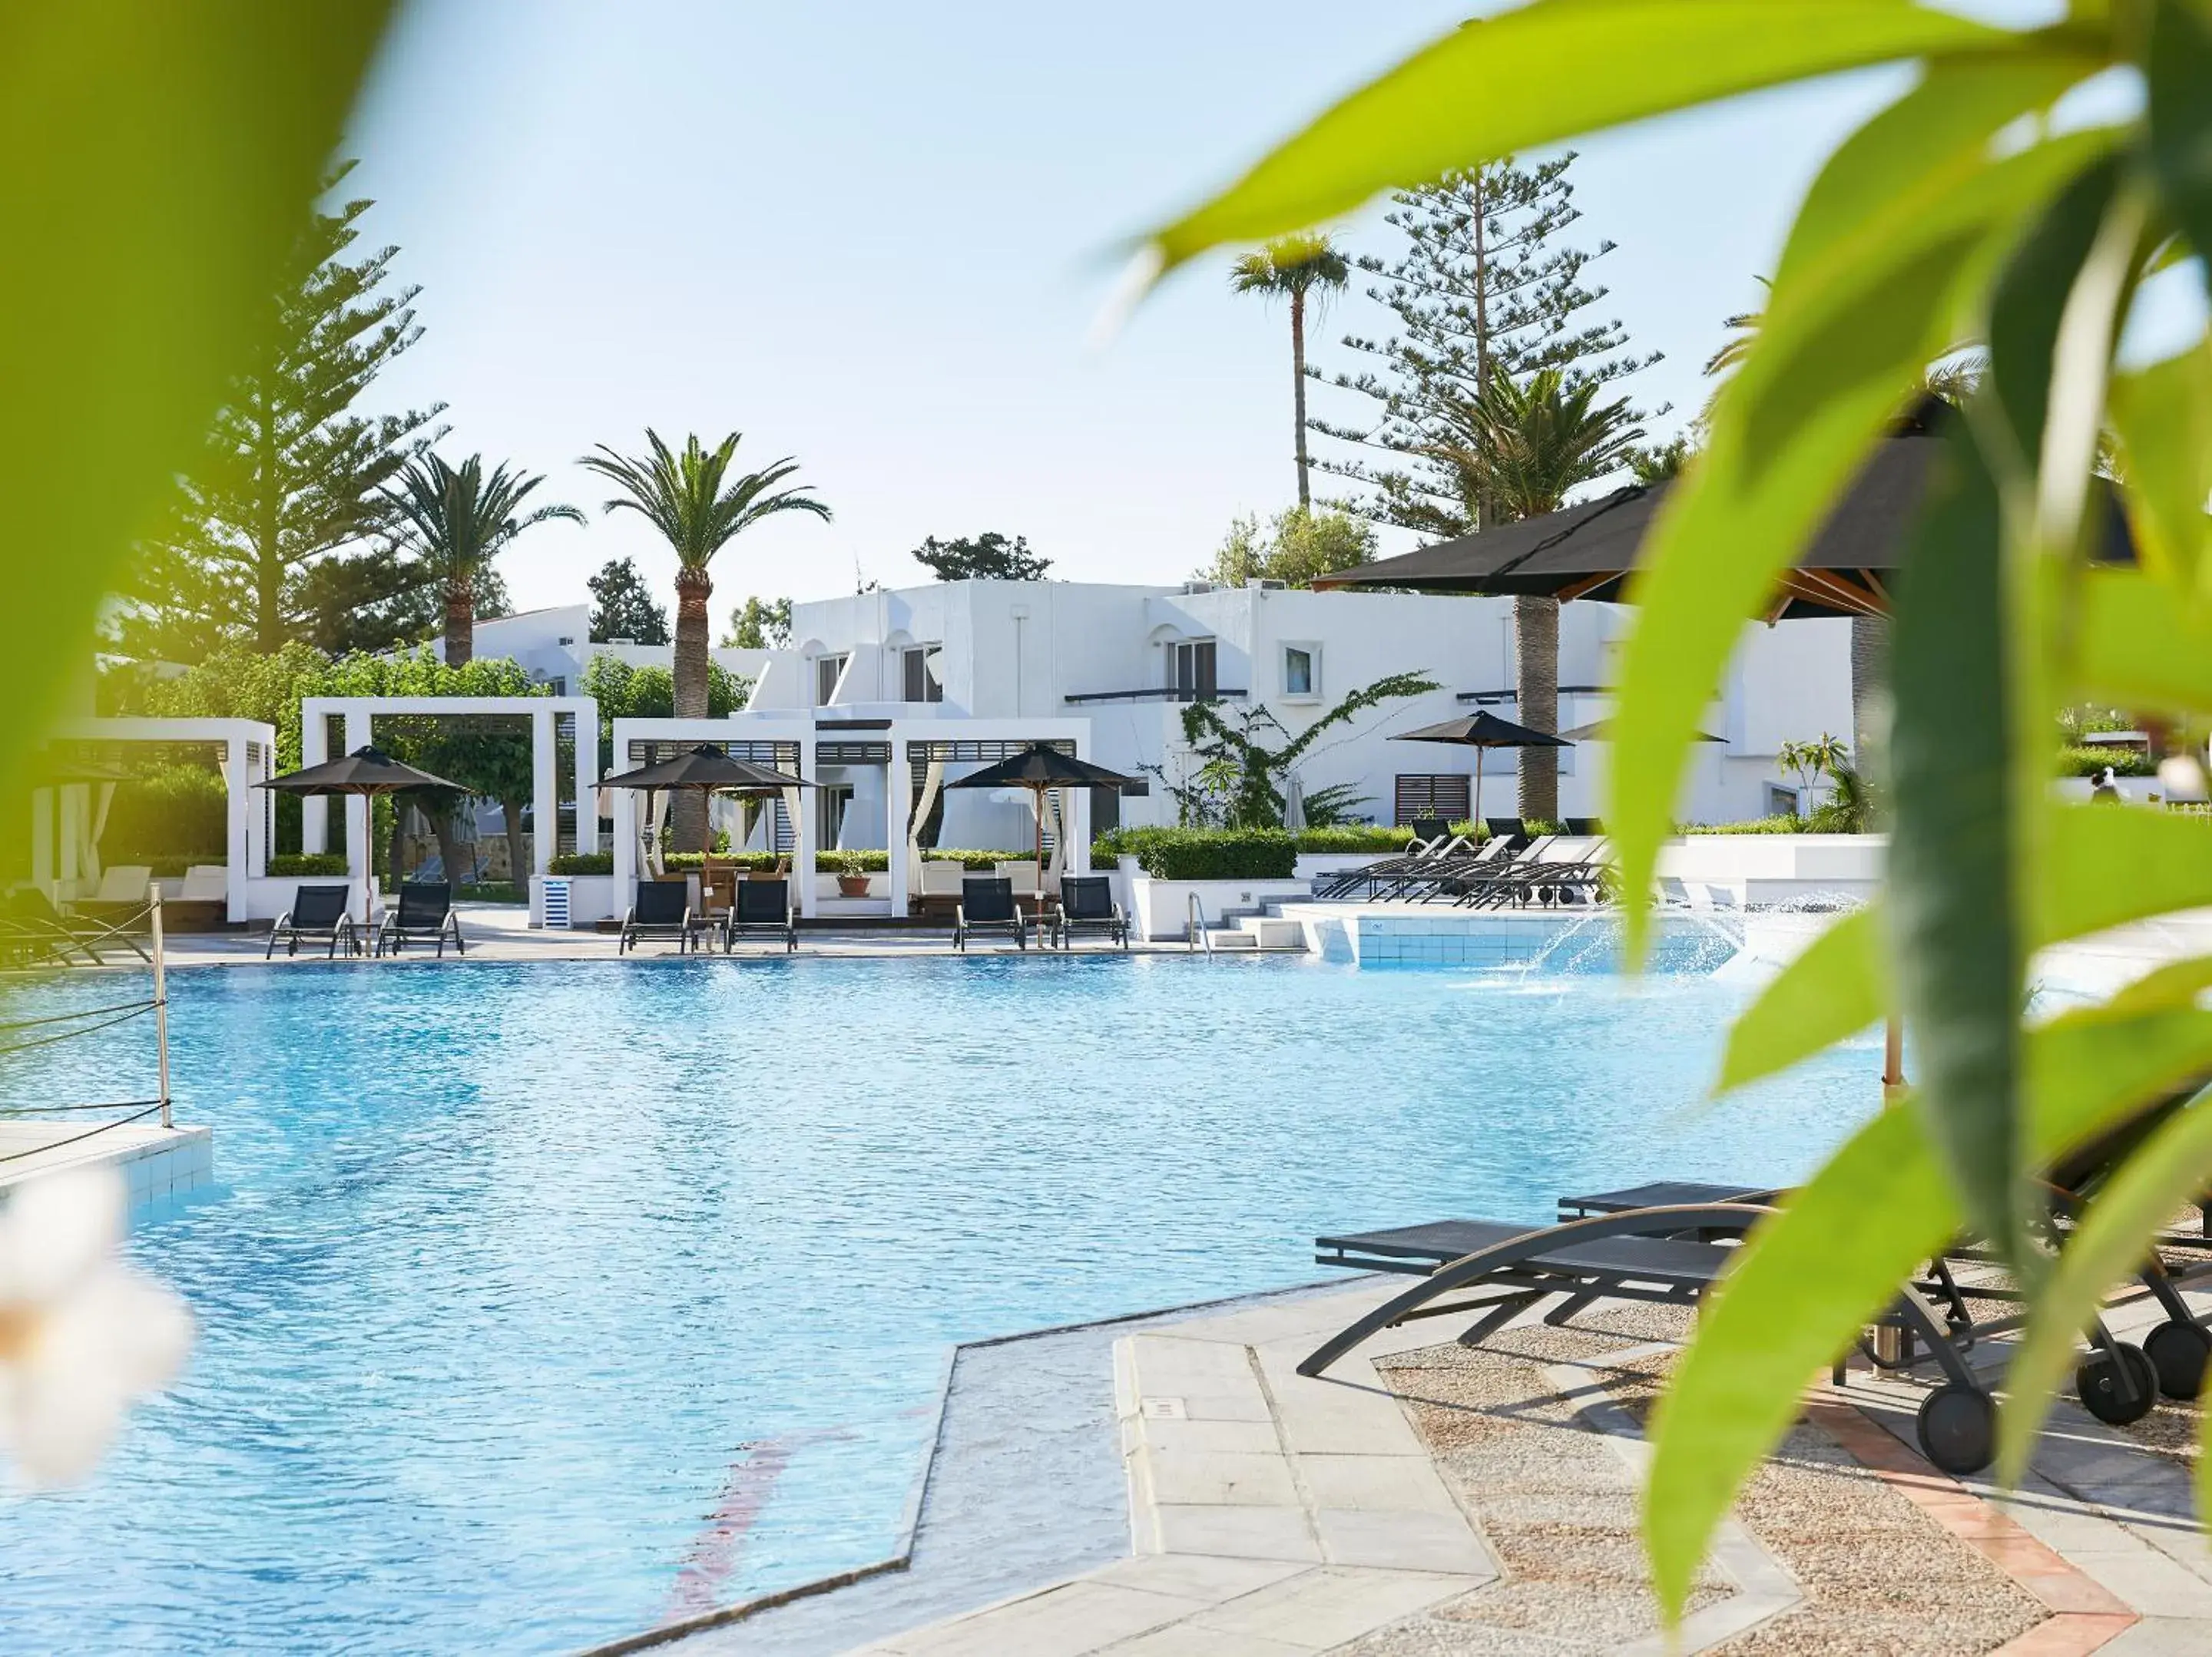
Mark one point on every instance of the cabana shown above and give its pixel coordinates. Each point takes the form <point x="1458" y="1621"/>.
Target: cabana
<point x="783" y="742"/>
<point x="67" y="816"/>
<point x="545" y="715"/>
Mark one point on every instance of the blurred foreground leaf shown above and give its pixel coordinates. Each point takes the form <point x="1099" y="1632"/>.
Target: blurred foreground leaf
<point x="155" y="159"/>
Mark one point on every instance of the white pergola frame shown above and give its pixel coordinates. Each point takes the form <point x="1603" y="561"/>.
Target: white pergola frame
<point x="742" y="727"/>
<point x="359" y="712"/>
<point x="898" y="800"/>
<point x="249" y="757"/>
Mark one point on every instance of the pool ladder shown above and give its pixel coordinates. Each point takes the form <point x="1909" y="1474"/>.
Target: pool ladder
<point x="1194" y="926"/>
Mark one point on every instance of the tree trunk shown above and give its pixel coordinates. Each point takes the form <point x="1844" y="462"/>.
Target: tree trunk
<point x="449" y="847"/>
<point x="1869" y="690"/>
<point x="687" y="812"/>
<point x="1298" y="392"/>
<point x="460" y="624"/>
<point x="394" y="846"/>
<point x="1536" y="683"/>
<point x="518" y="868"/>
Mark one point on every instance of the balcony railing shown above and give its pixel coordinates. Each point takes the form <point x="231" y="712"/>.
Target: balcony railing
<point x="1158" y="694"/>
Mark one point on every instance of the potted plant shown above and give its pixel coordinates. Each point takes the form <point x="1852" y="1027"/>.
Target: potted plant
<point x="852" y="878"/>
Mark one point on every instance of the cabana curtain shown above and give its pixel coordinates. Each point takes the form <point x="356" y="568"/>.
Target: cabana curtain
<point x="932" y="783"/>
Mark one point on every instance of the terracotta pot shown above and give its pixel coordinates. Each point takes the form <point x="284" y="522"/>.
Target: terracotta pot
<point x="851" y="885"/>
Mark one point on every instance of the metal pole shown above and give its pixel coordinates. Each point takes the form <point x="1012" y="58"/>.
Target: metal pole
<point x="160" y="1009"/>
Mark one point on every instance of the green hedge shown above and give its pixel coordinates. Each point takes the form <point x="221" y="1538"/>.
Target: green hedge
<point x="308" y="863"/>
<point x="1354" y="837"/>
<point x="2090" y="762"/>
<point x="1204" y="854"/>
<point x="873" y="862"/>
<point x="180" y="811"/>
<point x="583" y="863"/>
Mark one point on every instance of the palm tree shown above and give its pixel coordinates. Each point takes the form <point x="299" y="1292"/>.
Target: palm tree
<point x="457" y="520"/>
<point x="692" y="499"/>
<point x="1517" y="448"/>
<point x="1294" y="267"/>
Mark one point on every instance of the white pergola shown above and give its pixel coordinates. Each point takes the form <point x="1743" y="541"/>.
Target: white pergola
<point x="764" y="728"/>
<point x="249" y="751"/>
<point x="911" y="739"/>
<point x="543" y="711"/>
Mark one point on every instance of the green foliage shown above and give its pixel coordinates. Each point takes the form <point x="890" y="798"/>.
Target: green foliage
<point x="583" y="863"/>
<point x="626" y="692"/>
<point x="1203" y="853"/>
<point x="290" y="475"/>
<point x="1482" y="294"/>
<point x="1515" y="448"/>
<point x="760" y="624"/>
<point x="308" y="863"/>
<point x="2091" y="762"/>
<point x="174" y="811"/>
<point x="1923" y="232"/>
<point x="455" y="520"/>
<point x="1295" y="548"/>
<point x="989" y="556"/>
<point x="1350" y="837"/>
<point x="1236" y="783"/>
<point x="622" y="606"/>
<point x="690" y="496"/>
<point x="161" y="164"/>
<point x="1304" y="267"/>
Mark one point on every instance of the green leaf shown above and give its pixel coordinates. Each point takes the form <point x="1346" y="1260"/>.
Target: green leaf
<point x="2162" y="418"/>
<point x="2136" y="641"/>
<point x="1809" y="1279"/>
<point x="2177" y="68"/>
<point x="2105" y="866"/>
<point x="2177" y="984"/>
<point x="156" y="160"/>
<point x="1805" y="1283"/>
<point x="1959" y="950"/>
<point x="1834" y="989"/>
<point x="1494" y="85"/>
<point x="1838" y="353"/>
<point x="2167" y="1170"/>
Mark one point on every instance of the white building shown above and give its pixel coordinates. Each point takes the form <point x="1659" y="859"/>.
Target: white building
<point x="1128" y="659"/>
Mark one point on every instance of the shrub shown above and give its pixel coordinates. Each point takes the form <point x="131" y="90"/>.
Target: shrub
<point x="308" y="863"/>
<point x="1354" y="837"/>
<point x="985" y="861"/>
<point x="1207" y="854"/>
<point x="179" y="812"/>
<point x="583" y="863"/>
<point x="2091" y="762"/>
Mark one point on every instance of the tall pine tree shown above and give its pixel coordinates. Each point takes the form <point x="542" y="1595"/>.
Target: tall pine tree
<point x="291" y="477"/>
<point x="1479" y="288"/>
<point x="1493" y="313"/>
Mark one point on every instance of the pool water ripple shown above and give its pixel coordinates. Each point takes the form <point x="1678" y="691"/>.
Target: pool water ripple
<point x="544" y="1301"/>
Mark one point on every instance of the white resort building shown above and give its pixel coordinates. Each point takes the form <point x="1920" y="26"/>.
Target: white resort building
<point x="1127" y="658"/>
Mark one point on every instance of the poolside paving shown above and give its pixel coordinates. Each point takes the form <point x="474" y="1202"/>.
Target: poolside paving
<point x="1448" y="1501"/>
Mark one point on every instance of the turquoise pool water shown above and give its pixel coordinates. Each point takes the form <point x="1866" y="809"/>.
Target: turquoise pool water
<point x="545" y="1302"/>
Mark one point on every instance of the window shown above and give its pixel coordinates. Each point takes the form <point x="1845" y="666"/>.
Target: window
<point x="1191" y="669"/>
<point x="828" y="669"/>
<point x="1301" y="671"/>
<point x="925" y="676"/>
<point x="1431" y="795"/>
<point x="833" y="799"/>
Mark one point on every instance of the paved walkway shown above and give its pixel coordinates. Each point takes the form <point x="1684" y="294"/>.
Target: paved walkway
<point x="1271" y="1515"/>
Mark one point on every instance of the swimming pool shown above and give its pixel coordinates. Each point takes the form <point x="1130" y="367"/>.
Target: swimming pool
<point x="543" y="1302"/>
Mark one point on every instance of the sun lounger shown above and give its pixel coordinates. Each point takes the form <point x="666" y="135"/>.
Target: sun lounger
<point x="1670" y="1255"/>
<point x="939" y="894"/>
<point x="663" y="911"/>
<point x="762" y="909"/>
<point x="424" y="915"/>
<point x="318" y="914"/>
<point x="987" y="907"/>
<point x="34" y="914"/>
<point x="1086" y="904"/>
<point x="1423" y="864"/>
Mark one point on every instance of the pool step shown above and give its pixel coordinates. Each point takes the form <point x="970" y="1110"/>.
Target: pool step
<point x="1257" y="932"/>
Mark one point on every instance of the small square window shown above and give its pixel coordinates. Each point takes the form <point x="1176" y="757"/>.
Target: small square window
<point x="1301" y="671"/>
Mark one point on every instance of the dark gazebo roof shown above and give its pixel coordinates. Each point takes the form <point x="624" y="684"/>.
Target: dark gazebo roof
<point x="706" y="769"/>
<point x="364" y="771"/>
<point x="1483" y="731"/>
<point x="1589" y="550"/>
<point x="1041" y="767"/>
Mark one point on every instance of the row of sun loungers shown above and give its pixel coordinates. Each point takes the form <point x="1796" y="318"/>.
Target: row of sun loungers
<point x="323" y="916"/>
<point x="1669" y="1243"/>
<point x="988" y="906"/>
<point x="1503" y="872"/>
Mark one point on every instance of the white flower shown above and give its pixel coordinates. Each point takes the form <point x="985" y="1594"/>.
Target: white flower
<point x="81" y="1334"/>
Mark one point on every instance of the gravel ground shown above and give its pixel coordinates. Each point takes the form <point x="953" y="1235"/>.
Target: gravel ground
<point x="1558" y="1506"/>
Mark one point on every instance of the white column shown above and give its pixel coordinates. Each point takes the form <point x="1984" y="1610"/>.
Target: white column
<point x="625" y="821"/>
<point x="314" y="748"/>
<point x="238" y="837"/>
<point x="810" y="819"/>
<point x="1079" y="810"/>
<point x="588" y="775"/>
<point x="360" y="821"/>
<point x="898" y="802"/>
<point x="545" y="793"/>
<point x="42" y="839"/>
<point x="71" y="795"/>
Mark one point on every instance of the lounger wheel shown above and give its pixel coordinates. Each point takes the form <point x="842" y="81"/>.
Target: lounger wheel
<point x="1958" y="1427"/>
<point x="2176" y="1350"/>
<point x="2106" y="1395"/>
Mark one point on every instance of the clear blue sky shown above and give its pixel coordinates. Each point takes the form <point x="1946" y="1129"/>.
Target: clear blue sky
<point x="876" y="237"/>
